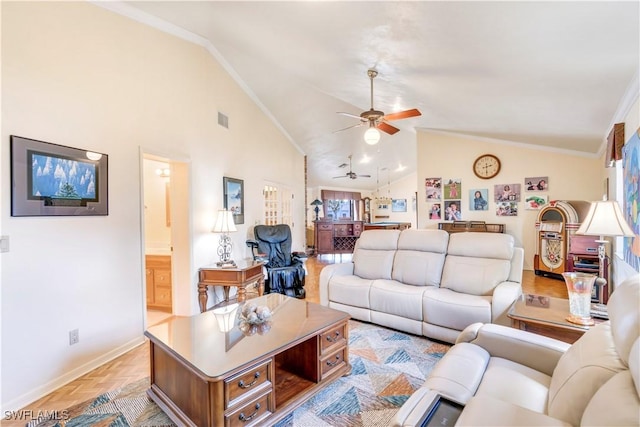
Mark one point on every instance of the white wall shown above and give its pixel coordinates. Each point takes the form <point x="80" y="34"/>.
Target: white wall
<point x="78" y="75"/>
<point x="404" y="188"/>
<point x="571" y="177"/>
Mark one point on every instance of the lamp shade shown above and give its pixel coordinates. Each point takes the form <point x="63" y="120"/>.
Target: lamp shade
<point x="226" y="316"/>
<point x="605" y="219"/>
<point x="316" y="202"/>
<point x="224" y="222"/>
<point x="372" y="136"/>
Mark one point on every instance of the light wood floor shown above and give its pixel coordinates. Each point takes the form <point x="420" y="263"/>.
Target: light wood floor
<point x="134" y="365"/>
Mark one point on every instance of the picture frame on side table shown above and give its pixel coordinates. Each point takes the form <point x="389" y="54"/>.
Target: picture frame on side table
<point x="233" y="190"/>
<point x="55" y="180"/>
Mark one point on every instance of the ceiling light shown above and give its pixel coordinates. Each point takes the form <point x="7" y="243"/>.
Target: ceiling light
<point x="163" y="173"/>
<point x="372" y="136"/>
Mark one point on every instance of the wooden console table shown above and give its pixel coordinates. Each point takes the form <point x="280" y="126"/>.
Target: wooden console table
<point x="245" y="273"/>
<point x="477" y="226"/>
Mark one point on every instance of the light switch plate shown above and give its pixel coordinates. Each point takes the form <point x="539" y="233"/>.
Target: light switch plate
<point x="4" y="243"/>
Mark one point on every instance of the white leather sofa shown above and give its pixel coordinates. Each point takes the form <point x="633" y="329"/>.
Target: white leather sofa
<point x="510" y="377"/>
<point x="426" y="282"/>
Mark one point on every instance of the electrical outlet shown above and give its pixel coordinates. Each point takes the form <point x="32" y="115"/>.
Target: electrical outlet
<point x="74" y="337"/>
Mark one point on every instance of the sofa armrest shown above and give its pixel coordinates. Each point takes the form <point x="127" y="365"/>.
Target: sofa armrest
<point x="340" y="269"/>
<point x="412" y="411"/>
<point x="535" y="351"/>
<point x="489" y="411"/>
<point x="505" y="294"/>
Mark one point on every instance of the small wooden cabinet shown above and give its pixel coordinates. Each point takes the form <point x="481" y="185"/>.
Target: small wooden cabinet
<point x="158" y="277"/>
<point x="337" y="236"/>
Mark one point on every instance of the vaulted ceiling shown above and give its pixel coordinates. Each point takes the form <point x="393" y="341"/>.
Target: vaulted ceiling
<point x="544" y="73"/>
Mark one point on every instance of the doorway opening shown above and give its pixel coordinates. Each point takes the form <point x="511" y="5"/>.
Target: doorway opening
<point x="165" y="237"/>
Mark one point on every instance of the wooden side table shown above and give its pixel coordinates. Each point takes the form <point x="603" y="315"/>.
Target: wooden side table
<point x="546" y="316"/>
<point x="245" y="273"/>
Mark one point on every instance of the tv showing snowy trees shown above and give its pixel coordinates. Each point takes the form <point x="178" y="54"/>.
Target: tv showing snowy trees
<point x="54" y="177"/>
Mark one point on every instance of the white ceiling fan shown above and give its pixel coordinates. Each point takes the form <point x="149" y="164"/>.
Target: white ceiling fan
<point x="376" y="119"/>
<point x="351" y="174"/>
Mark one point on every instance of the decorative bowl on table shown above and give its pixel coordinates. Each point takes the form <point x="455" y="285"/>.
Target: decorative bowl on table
<point x="254" y="319"/>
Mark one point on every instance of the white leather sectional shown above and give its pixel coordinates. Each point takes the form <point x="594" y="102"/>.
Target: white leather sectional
<point x="426" y="282"/>
<point x="508" y="377"/>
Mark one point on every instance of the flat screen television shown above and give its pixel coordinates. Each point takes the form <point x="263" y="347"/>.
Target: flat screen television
<point x="61" y="180"/>
<point x="50" y="179"/>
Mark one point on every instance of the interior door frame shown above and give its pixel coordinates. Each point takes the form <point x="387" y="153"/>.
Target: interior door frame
<point x="182" y="293"/>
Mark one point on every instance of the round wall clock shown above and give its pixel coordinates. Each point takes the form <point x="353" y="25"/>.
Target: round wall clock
<point x="486" y="166"/>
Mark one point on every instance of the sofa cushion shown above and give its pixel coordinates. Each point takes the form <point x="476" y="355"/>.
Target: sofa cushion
<point x="615" y="404"/>
<point x="389" y="296"/>
<point x="454" y="310"/>
<point x="477" y="262"/>
<point x="420" y="257"/>
<point x="374" y="252"/>
<point x="581" y="371"/>
<point x="481" y="245"/>
<point x="350" y="290"/>
<point x="515" y="383"/>
<point x="487" y="411"/>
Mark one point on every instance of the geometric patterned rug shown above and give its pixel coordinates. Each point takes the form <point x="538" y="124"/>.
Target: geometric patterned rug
<point x="387" y="367"/>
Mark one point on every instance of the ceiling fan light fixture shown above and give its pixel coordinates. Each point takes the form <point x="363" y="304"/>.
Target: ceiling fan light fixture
<point x="372" y="136"/>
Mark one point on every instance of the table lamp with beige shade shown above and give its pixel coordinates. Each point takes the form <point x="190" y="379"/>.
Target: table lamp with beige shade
<point x="604" y="219"/>
<point x="225" y="225"/>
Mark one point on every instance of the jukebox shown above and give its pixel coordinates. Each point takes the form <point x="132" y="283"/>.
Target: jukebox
<point x="556" y="224"/>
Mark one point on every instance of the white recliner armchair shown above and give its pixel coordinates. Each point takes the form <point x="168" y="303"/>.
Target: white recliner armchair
<point x="509" y="377"/>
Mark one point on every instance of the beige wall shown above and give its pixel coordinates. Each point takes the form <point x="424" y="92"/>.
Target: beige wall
<point x="571" y="177"/>
<point x="76" y="74"/>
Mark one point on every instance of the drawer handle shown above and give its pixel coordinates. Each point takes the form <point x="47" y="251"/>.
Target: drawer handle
<point x="243" y="417"/>
<point x="332" y="339"/>
<point x="330" y="363"/>
<point x="241" y="383"/>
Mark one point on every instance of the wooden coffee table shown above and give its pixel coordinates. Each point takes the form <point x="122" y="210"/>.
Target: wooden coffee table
<point x="546" y="316"/>
<point x="202" y="376"/>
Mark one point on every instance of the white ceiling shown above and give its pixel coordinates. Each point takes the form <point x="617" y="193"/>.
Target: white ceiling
<point x="544" y="73"/>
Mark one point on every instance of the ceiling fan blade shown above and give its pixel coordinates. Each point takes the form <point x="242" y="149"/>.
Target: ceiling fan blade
<point x="350" y="115"/>
<point x="341" y="176"/>
<point x="349" y="127"/>
<point x="386" y="127"/>
<point x="364" y="176"/>
<point x="402" y="115"/>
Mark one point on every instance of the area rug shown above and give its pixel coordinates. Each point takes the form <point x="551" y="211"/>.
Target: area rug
<point x="387" y="367"/>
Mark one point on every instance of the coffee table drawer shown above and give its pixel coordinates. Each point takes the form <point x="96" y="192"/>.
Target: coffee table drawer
<point x="333" y="337"/>
<point x="252" y="412"/>
<point x="247" y="383"/>
<point x="332" y="362"/>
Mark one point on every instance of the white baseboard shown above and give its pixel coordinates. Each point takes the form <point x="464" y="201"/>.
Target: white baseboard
<point x="41" y="391"/>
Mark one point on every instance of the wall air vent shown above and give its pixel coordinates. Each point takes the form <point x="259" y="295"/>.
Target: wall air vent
<point x="223" y="120"/>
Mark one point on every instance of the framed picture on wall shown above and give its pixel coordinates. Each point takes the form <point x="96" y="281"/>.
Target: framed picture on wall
<point x="54" y="180"/>
<point x="234" y="198"/>
<point x="398" y="205"/>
